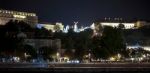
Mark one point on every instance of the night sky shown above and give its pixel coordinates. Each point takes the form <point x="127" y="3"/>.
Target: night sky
<point x="84" y="11"/>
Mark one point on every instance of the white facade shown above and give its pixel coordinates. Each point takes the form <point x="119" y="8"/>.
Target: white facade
<point x="60" y="25"/>
<point x="127" y="25"/>
<point x="7" y="15"/>
<point x="50" y="26"/>
<point x="147" y="48"/>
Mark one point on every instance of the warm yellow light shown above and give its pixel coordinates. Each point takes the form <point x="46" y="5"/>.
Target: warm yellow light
<point x="119" y="55"/>
<point x="66" y="58"/>
<point x="49" y="27"/>
<point x="57" y="54"/>
<point x="112" y="59"/>
<point x="19" y="16"/>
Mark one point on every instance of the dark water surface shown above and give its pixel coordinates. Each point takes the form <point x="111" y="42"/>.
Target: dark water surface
<point x="77" y="70"/>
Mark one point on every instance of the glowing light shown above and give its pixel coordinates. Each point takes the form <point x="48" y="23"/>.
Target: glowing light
<point x="19" y="16"/>
<point x="119" y="55"/>
<point x="39" y="26"/>
<point x="73" y="61"/>
<point x="66" y="29"/>
<point x="126" y="25"/>
<point x="147" y="48"/>
<point x="140" y="59"/>
<point x="75" y="27"/>
<point x="17" y="59"/>
<point x="132" y="59"/>
<point x="57" y="54"/>
<point x="60" y="25"/>
<point x="112" y="59"/>
<point x="144" y="56"/>
<point x="49" y="27"/>
<point x="92" y="26"/>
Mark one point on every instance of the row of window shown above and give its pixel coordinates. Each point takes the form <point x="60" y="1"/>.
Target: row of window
<point x="113" y="18"/>
<point x="17" y="13"/>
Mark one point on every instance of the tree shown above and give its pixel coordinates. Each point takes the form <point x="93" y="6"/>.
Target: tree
<point x="70" y="39"/>
<point x="121" y="26"/>
<point x="12" y="37"/>
<point x="97" y="49"/>
<point x="69" y="53"/>
<point x="12" y="26"/>
<point x="11" y="31"/>
<point x="83" y="43"/>
<point x="47" y="52"/>
<point x="30" y="50"/>
<point x="109" y="44"/>
<point x="98" y="28"/>
<point x="57" y="28"/>
<point x="42" y="33"/>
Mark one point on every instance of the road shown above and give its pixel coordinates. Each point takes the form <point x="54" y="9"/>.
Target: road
<point x="63" y="67"/>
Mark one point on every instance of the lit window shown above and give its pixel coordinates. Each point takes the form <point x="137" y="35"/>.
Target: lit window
<point x="25" y="14"/>
<point x="20" y="13"/>
<point x="11" y="12"/>
<point x="6" y="12"/>
<point x="28" y="14"/>
<point x="19" y="16"/>
<point x="31" y="14"/>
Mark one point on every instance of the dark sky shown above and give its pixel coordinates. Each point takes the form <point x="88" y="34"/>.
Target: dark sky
<point x="84" y="11"/>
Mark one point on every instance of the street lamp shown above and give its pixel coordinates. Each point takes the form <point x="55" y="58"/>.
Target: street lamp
<point x="57" y="55"/>
<point x="118" y="56"/>
<point x="89" y="55"/>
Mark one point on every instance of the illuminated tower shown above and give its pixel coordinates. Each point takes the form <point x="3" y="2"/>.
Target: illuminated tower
<point x="75" y="27"/>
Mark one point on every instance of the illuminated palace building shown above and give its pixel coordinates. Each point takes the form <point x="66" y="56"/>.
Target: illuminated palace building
<point x="7" y="15"/>
<point x="58" y="26"/>
<point x="115" y="22"/>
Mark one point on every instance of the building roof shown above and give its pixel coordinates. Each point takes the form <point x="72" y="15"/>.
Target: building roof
<point x="121" y="20"/>
<point x="17" y="12"/>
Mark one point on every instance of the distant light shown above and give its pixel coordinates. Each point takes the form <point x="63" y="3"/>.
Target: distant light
<point x="126" y="25"/>
<point x="140" y="59"/>
<point x="144" y="56"/>
<point x="77" y="61"/>
<point x="66" y="29"/>
<point x="19" y="16"/>
<point x="147" y="48"/>
<point x="92" y="26"/>
<point x="112" y="59"/>
<point x="39" y="26"/>
<point x="132" y="59"/>
<point x="57" y="54"/>
<point x="17" y="59"/>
